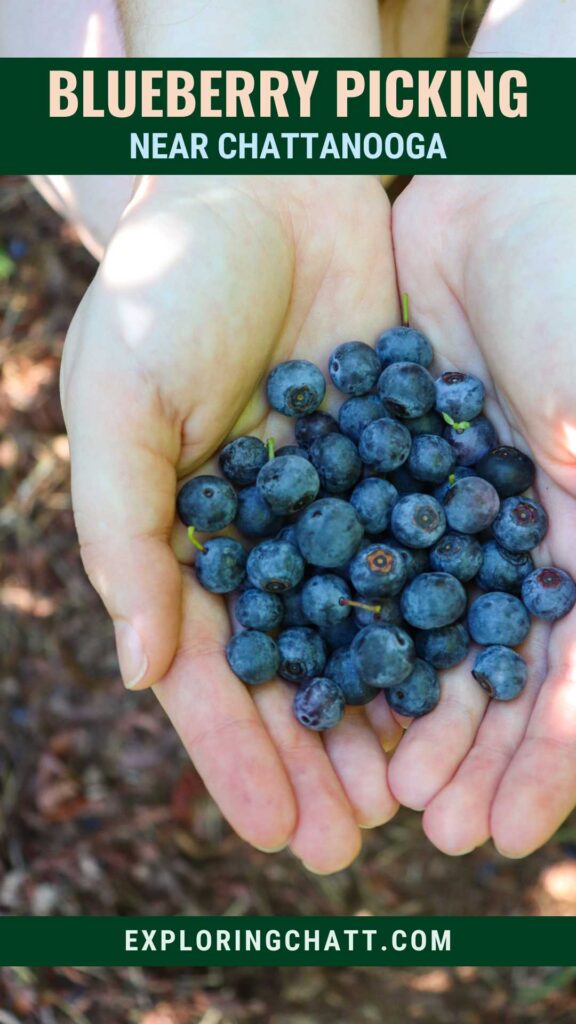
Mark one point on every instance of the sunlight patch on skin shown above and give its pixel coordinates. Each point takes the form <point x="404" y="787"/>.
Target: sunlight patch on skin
<point x="503" y="10"/>
<point x="563" y="705"/>
<point x="93" y="38"/>
<point x="143" y="250"/>
<point x="569" y="432"/>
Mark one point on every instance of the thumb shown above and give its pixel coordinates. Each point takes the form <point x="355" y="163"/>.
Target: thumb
<point x="123" y="455"/>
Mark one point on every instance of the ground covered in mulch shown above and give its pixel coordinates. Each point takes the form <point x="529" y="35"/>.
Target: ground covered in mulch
<point x="100" y="811"/>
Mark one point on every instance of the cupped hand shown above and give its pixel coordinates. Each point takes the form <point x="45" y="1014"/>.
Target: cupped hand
<point x="207" y="284"/>
<point x="490" y="265"/>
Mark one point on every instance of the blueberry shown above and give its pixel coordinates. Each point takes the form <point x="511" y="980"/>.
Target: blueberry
<point x="378" y="571"/>
<point x="323" y="597"/>
<point x="382" y="655"/>
<point x="433" y="600"/>
<point x="288" y="533"/>
<point x="471" y="505"/>
<point x="404" y="344"/>
<point x="319" y="704"/>
<point x="501" y="569"/>
<point x="221" y="566"/>
<point x="385" y="444"/>
<point x="341" y="668"/>
<point x="258" y="610"/>
<point x="418" y="520"/>
<point x="418" y="694"/>
<point x="521" y="524"/>
<point x="501" y="672"/>
<point x="444" y="647"/>
<point x="337" y="462"/>
<point x="473" y="443"/>
<point x="405" y="483"/>
<point x="329" y="533"/>
<point x="354" y="368"/>
<point x="253" y="656"/>
<point x="207" y="502"/>
<point x="431" y="458"/>
<point x="373" y="500"/>
<point x="458" y="473"/>
<point x="457" y="554"/>
<point x="407" y="390"/>
<point x="498" y="618"/>
<point x="415" y="559"/>
<point x="292" y="604"/>
<point x="339" y="634"/>
<point x="428" y="423"/>
<point x="357" y="413"/>
<point x="288" y="483"/>
<point x="389" y="613"/>
<point x="292" y="449"/>
<point x="459" y="395"/>
<point x="302" y="654"/>
<point x="274" y="566"/>
<point x="508" y="469"/>
<point x="295" y="387"/>
<point x="316" y="424"/>
<point x="254" y="517"/>
<point x="242" y="459"/>
<point x="549" y="593"/>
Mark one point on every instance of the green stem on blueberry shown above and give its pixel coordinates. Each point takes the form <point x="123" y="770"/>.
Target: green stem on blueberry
<point x="349" y="603"/>
<point x="405" y="310"/>
<point x="193" y="540"/>
<point x="271" y="448"/>
<point x="452" y="479"/>
<point x="460" y="427"/>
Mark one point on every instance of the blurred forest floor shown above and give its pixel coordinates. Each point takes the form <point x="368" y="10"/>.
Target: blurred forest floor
<point x="100" y="811"/>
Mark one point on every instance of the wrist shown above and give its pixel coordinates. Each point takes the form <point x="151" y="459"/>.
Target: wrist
<point x="251" y="28"/>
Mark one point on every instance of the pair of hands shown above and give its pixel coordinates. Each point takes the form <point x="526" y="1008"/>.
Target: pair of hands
<point x="207" y="284"/>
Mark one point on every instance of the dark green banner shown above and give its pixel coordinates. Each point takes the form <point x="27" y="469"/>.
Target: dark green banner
<point x="285" y="941"/>
<point x="278" y="116"/>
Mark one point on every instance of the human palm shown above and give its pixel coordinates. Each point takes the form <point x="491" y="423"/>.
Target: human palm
<point x="205" y="286"/>
<point x="490" y="267"/>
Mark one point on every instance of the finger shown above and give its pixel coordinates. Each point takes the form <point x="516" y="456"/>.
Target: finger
<point x="433" y="746"/>
<point x="217" y="720"/>
<point x="360" y="764"/>
<point x="458" y="819"/>
<point x="326" y="837"/>
<point x="123" y="451"/>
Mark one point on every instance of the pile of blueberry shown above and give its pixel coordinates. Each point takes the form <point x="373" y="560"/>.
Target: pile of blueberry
<point x="385" y="540"/>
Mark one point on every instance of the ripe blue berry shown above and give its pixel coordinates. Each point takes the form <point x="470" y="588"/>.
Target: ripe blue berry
<point x="431" y="458"/>
<point x="242" y="459"/>
<point x="382" y="655"/>
<point x="357" y="413"/>
<point x="428" y="423"/>
<point x="295" y="387"/>
<point x="471" y="504"/>
<point x="385" y="444"/>
<point x="404" y="344"/>
<point x="407" y="390"/>
<point x="323" y="597"/>
<point x="458" y="554"/>
<point x="329" y="533"/>
<point x="275" y="566"/>
<point x="207" y="502"/>
<point x="459" y="395"/>
<point x="416" y="695"/>
<point x="316" y="424"/>
<point x="254" y="517"/>
<point x="498" y="618"/>
<point x="458" y="473"/>
<point x="257" y="610"/>
<point x="221" y="566"/>
<point x="501" y="569"/>
<point x="444" y="647"/>
<point x="288" y="483"/>
<point x="549" y="593"/>
<point x="418" y="520"/>
<point x="521" y="524"/>
<point x="433" y="600"/>
<point x="302" y="654"/>
<point x="471" y="443"/>
<point x="339" y="634"/>
<point x="377" y="571"/>
<point x="341" y="668"/>
<point x="253" y="657"/>
<point x="319" y="704"/>
<point x="405" y="483"/>
<point x="388" y="613"/>
<point x="509" y="470"/>
<point x="292" y="604"/>
<point x="337" y="462"/>
<point x="501" y="672"/>
<point x="373" y="500"/>
<point x="354" y="368"/>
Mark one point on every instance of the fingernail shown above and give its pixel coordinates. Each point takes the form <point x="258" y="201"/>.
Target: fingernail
<point x="271" y="849"/>
<point x="131" y="655"/>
